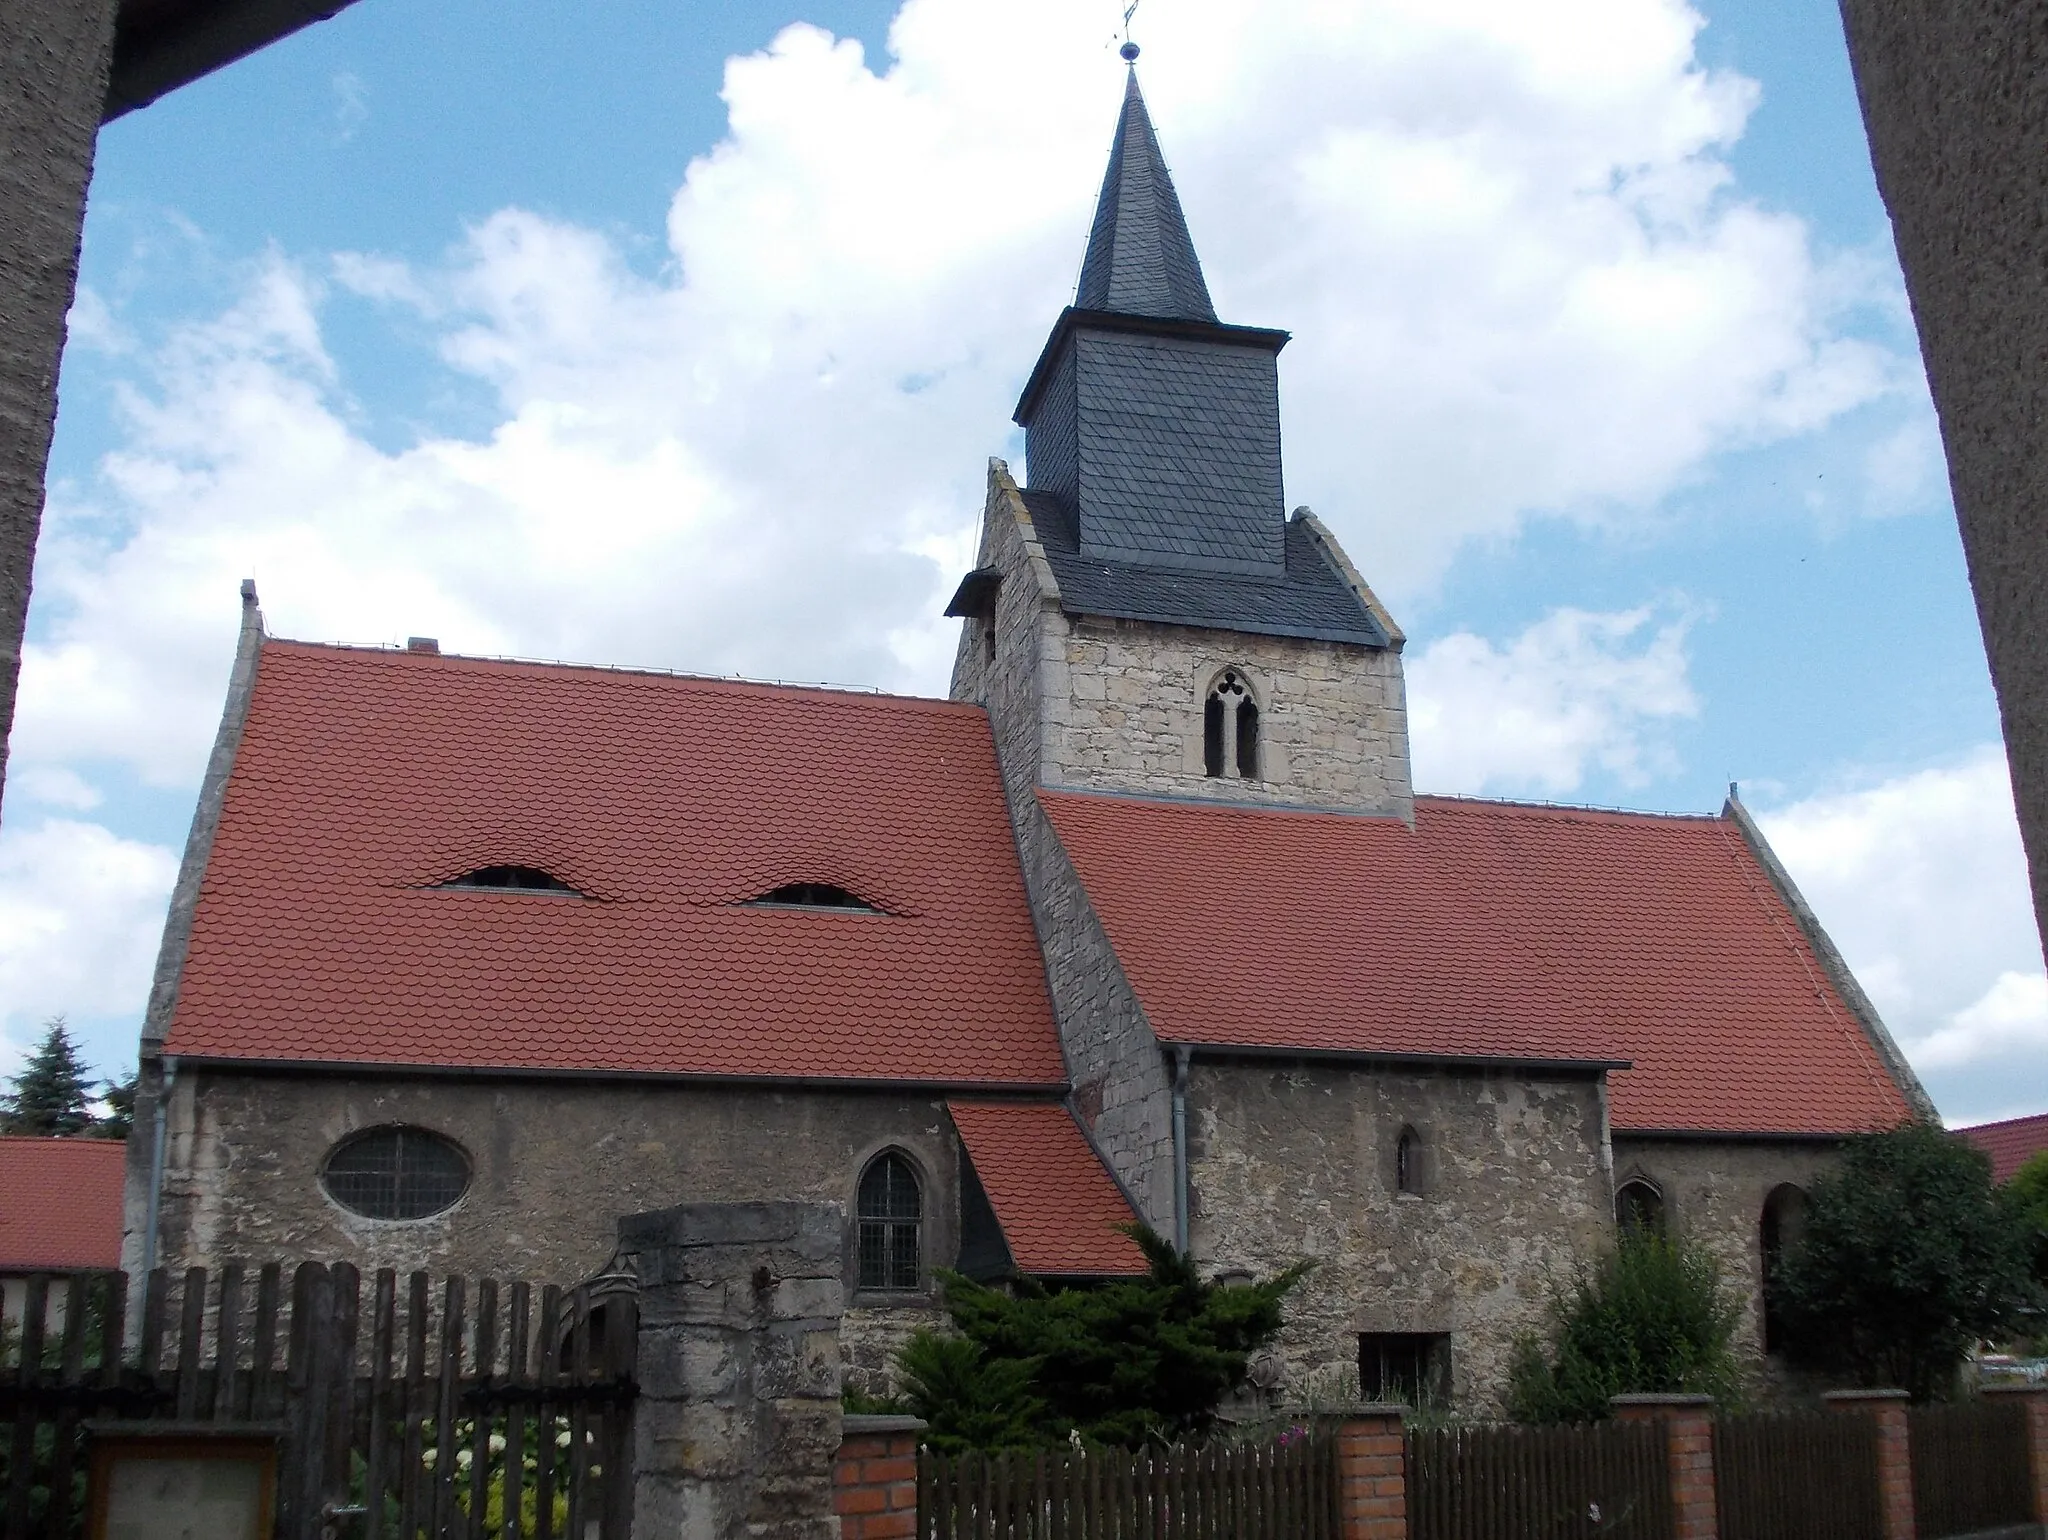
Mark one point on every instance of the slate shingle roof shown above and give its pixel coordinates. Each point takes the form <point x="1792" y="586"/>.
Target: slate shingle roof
<point x="1489" y="930"/>
<point x="1140" y="259"/>
<point x="60" y="1203"/>
<point x="1311" y="600"/>
<point x="1057" y="1206"/>
<point x="365" y="777"/>
<point x="2010" y="1144"/>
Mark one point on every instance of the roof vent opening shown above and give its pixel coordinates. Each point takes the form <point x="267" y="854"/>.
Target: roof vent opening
<point x="813" y="895"/>
<point x="525" y="879"/>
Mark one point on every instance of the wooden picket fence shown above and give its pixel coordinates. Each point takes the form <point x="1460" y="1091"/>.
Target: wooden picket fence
<point x="1797" y="1476"/>
<point x="1490" y="1482"/>
<point x="1969" y="1467"/>
<point x="476" y="1420"/>
<point x="1285" y="1490"/>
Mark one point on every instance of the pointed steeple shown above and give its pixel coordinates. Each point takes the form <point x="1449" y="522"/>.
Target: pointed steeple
<point x="1140" y="259"/>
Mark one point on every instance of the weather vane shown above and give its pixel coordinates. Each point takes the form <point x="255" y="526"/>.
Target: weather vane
<point x="1129" y="52"/>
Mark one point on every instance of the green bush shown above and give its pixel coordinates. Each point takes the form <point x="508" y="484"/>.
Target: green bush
<point x="1908" y="1258"/>
<point x="1128" y="1362"/>
<point x="2026" y="1197"/>
<point x="1651" y="1316"/>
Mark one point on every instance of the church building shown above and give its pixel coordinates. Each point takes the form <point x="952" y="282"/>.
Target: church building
<point x="468" y="957"/>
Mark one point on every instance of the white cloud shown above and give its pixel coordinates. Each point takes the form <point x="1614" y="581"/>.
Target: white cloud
<point x="1922" y="883"/>
<point x="80" y="914"/>
<point x="1520" y="277"/>
<point x="1573" y="692"/>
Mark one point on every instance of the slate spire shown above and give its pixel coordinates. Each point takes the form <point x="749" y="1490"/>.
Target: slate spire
<point x="1140" y="259"/>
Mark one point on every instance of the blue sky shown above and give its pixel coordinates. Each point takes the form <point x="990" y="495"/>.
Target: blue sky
<point x="559" y="337"/>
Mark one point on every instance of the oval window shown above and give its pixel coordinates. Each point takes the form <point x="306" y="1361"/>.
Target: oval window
<point x="396" y="1173"/>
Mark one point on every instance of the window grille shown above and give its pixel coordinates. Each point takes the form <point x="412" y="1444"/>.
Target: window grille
<point x="889" y="1208"/>
<point x="1411" y="1368"/>
<point x="397" y="1173"/>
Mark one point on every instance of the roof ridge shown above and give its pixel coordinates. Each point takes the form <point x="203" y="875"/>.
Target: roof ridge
<point x="647" y="671"/>
<point x="1544" y="805"/>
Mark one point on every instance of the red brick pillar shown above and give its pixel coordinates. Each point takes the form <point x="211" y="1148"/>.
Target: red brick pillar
<point x="874" y="1480"/>
<point x="2035" y="1399"/>
<point x="1689" y="1453"/>
<point x="1894" y="1453"/>
<point x="1372" y="1474"/>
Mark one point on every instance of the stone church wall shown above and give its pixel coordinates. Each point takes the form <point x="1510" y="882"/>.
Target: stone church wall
<point x="1121" y="1086"/>
<point x="1298" y="1161"/>
<point x="554" y="1165"/>
<point x="1714" y="1191"/>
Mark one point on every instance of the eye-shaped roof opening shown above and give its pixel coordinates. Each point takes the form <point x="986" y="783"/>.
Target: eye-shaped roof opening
<point x="526" y="879"/>
<point x="813" y="895"/>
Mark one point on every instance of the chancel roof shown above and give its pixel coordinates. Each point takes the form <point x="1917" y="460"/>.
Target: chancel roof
<point x="1058" y="1208"/>
<point x="365" y="780"/>
<point x="1488" y="931"/>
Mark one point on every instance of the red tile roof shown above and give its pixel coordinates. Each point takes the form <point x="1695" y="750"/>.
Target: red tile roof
<point x="1056" y="1204"/>
<point x="1490" y="930"/>
<point x="2009" y="1144"/>
<point x="365" y="777"/>
<point x="60" y="1203"/>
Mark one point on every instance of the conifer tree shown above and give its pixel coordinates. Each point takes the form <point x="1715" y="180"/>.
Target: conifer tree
<point x="51" y="1095"/>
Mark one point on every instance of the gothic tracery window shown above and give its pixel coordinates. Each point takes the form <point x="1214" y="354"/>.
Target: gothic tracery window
<point x="1639" y="1206"/>
<point x="889" y="1211"/>
<point x="1230" y="722"/>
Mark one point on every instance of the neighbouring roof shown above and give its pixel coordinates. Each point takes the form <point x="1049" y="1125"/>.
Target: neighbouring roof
<point x="2010" y="1144"/>
<point x="60" y="1203"/>
<point x="365" y="778"/>
<point x="160" y="45"/>
<point x="1057" y="1205"/>
<point x="1140" y="258"/>
<point x="1490" y="930"/>
<point x="1311" y="600"/>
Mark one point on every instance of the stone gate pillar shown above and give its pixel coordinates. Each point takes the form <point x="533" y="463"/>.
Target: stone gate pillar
<point x="737" y="1425"/>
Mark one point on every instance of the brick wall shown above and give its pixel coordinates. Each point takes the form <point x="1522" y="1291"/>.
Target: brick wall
<point x="874" y="1479"/>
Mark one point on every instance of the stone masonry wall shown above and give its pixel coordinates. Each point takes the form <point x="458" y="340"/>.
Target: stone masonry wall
<point x="1121" y="1086"/>
<point x="554" y="1166"/>
<point x="1714" y="1193"/>
<point x="1125" y="703"/>
<point x="1291" y="1162"/>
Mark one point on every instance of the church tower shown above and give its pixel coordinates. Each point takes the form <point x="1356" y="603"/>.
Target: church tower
<point x="1144" y="616"/>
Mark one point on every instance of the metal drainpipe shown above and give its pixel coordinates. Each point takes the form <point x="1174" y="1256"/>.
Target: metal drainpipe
<point x="156" y="1165"/>
<point x="1181" y="1055"/>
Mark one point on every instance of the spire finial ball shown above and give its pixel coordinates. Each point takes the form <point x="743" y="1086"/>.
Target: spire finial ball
<point x="1129" y="53"/>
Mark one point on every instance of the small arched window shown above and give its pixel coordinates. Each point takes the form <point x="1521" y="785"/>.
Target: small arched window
<point x="396" y="1173"/>
<point x="1230" y="728"/>
<point x="1408" y="1162"/>
<point x="528" y="879"/>
<point x="889" y="1209"/>
<point x="1784" y="1220"/>
<point x="1639" y="1207"/>
<point x="813" y="895"/>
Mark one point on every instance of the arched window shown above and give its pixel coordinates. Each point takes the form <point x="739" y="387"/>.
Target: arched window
<point x="1784" y="1219"/>
<point x="1230" y="721"/>
<point x="1639" y="1206"/>
<point x="527" y="879"/>
<point x="889" y="1208"/>
<point x="812" y="895"/>
<point x="396" y="1173"/>
<point x="1408" y="1161"/>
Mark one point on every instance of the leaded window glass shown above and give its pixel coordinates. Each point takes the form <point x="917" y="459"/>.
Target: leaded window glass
<point x="396" y="1173"/>
<point x="890" y="1209"/>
